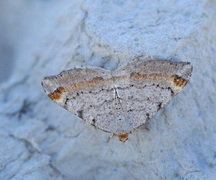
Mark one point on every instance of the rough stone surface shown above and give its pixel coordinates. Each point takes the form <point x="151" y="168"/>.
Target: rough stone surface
<point x="40" y="140"/>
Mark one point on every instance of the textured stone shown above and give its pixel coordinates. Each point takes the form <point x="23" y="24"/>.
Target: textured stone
<point x="39" y="140"/>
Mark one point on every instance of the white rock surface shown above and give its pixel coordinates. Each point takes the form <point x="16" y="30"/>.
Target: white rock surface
<point x="40" y="140"/>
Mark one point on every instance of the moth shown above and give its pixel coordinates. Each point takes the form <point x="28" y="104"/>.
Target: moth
<point x="118" y="102"/>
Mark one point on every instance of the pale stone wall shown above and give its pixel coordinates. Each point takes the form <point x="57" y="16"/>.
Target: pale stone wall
<point x="41" y="140"/>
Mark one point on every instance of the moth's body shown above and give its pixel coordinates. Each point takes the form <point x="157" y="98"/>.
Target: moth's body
<point x="121" y="101"/>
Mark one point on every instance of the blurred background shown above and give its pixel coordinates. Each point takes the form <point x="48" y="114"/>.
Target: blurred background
<point x="9" y="30"/>
<point x="15" y="19"/>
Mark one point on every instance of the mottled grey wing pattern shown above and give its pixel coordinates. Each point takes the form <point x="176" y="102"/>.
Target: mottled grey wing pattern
<point x="88" y="93"/>
<point x="122" y="101"/>
<point x="143" y="87"/>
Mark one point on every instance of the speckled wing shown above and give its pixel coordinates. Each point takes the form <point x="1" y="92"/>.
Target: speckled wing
<point x="143" y="87"/>
<point x="87" y="93"/>
<point x="122" y="101"/>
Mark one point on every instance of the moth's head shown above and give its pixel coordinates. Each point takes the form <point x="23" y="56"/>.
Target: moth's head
<point x="123" y="137"/>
